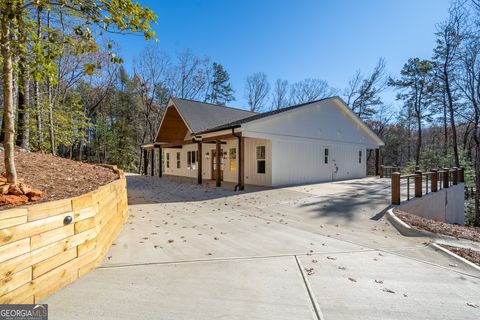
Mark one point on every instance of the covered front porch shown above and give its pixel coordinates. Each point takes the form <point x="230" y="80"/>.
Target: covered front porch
<point x="218" y="158"/>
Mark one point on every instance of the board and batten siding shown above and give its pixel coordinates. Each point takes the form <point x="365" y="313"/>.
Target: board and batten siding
<point x="251" y="175"/>
<point x="299" y="162"/>
<point x="299" y="138"/>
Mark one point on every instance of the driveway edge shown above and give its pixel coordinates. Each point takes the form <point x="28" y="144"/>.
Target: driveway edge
<point x="456" y="256"/>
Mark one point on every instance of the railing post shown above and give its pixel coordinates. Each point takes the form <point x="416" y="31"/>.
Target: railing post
<point x="418" y="184"/>
<point x="446" y="177"/>
<point x="434" y="186"/>
<point x="396" y="188"/>
<point x="381" y="171"/>
<point x="461" y="175"/>
<point x="455" y="175"/>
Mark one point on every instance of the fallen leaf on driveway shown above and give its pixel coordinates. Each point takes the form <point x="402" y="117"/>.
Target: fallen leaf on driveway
<point x="472" y="305"/>
<point x="453" y="265"/>
<point x="331" y="258"/>
<point x="378" y="281"/>
<point x="388" y="290"/>
<point x="351" y="279"/>
<point x="309" y="271"/>
<point x="171" y="241"/>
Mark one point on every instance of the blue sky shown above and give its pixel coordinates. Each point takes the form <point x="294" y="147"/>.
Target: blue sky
<point x="296" y="39"/>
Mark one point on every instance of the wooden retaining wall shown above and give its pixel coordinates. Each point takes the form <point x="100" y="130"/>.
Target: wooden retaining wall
<point x="40" y="253"/>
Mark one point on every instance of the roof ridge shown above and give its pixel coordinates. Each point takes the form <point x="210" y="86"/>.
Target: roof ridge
<point x="216" y="105"/>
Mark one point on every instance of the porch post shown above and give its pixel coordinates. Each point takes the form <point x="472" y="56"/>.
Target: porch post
<point x="218" y="166"/>
<point x="152" y="162"/>
<point x="200" y="162"/>
<point x="145" y="161"/>
<point x="160" y="157"/>
<point x="241" y="163"/>
<point x="377" y="161"/>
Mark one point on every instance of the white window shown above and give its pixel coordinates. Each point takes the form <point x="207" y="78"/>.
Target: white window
<point x="261" y="159"/>
<point x="232" y="154"/>
<point x="326" y="155"/>
<point x="168" y="160"/>
<point x="178" y="160"/>
<point x="192" y="158"/>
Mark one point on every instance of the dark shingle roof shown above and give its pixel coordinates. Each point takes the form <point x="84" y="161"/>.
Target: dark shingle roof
<point x="205" y="116"/>
<point x="257" y="116"/>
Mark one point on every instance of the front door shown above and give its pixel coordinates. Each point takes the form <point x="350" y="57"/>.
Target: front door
<point x="214" y="164"/>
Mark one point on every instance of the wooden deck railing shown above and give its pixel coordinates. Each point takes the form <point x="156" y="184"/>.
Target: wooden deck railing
<point x="424" y="182"/>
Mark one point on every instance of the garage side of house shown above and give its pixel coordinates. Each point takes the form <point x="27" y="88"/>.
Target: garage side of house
<point x="323" y="141"/>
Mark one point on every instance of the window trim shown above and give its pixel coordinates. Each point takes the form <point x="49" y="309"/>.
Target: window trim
<point x="178" y="160"/>
<point x="167" y="162"/>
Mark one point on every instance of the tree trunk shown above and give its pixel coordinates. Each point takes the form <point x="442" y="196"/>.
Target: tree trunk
<point x="445" y="127"/>
<point x="8" y="117"/>
<point x="37" y="93"/>
<point x="477" y="186"/>
<point x="419" y="140"/>
<point x="476" y="165"/>
<point x="23" y="128"/>
<point x="452" y="120"/>
<point x="49" y="94"/>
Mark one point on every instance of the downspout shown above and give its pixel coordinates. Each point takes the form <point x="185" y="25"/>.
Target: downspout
<point x="238" y="168"/>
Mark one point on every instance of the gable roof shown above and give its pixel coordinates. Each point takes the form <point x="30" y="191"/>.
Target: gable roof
<point x="200" y="116"/>
<point x="257" y="116"/>
<point x="339" y="102"/>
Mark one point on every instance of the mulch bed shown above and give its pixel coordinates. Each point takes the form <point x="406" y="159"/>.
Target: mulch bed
<point x="454" y="230"/>
<point x="468" y="254"/>
<point x="57" y="177"/>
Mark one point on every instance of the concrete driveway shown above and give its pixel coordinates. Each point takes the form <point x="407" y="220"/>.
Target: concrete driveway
<point x="320" y="251"/>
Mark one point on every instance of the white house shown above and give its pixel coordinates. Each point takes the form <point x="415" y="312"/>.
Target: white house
<point x="313" y="142"/>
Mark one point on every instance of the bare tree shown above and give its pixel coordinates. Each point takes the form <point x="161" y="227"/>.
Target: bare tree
<point x="257" y="88"/>
<point x="470" y="86"/>
<point x="190" y="76"/>
<point x="280" y="94"/>
<point x="310" y="90"/>
<point x="150" y="71"/>
<point x="449" y="38"/>
<point x="363" y="92"/>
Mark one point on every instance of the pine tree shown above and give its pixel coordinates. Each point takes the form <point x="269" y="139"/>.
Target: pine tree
<point x="221" y="89"/>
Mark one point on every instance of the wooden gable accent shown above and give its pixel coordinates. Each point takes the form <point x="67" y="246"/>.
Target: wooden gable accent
<point x="172" y="128"/>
